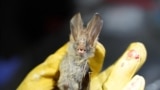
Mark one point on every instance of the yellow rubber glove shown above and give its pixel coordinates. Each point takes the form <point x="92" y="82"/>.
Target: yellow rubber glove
<point x="116" y="77"/>
<point x="119" y="75"/>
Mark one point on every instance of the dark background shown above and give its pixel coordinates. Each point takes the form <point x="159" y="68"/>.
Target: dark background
<point x="32" y="30"/>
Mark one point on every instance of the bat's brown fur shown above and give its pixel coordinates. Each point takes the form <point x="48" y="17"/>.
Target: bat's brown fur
<point x="74" y="67"/>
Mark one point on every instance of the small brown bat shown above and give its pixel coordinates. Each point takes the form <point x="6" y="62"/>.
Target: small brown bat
<point x="74" y="67"/>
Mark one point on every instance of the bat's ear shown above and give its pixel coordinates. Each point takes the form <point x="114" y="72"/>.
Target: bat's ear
<point x="94" y="28"/>
<point x="76" y="25"/>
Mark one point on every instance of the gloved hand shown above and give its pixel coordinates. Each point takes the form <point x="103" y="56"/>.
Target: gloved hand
<point x="118" y="76"/>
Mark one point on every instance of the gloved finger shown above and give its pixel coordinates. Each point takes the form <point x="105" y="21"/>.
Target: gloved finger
<point x="96" y="62"/>
<point x="44" y="76"/>
<point x="137" y="83"/>
<point x="97" y="82"/>
<point x="127" y="65"/>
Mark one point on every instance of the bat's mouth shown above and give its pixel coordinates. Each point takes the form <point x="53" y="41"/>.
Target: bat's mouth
<point x="81" y="52"/>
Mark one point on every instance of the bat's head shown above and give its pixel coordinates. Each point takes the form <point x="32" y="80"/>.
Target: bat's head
<point x="85" y="38"/>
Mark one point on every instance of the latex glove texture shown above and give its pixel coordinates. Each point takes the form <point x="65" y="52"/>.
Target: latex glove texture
<point x="120" y="76"/>
<point x="116" y="77"/>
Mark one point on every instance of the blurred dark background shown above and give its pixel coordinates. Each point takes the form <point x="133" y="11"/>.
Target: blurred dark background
<point x="32" y="30"/>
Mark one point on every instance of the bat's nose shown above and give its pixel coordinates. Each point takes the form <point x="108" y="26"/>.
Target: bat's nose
<point x="81" y="51"/>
